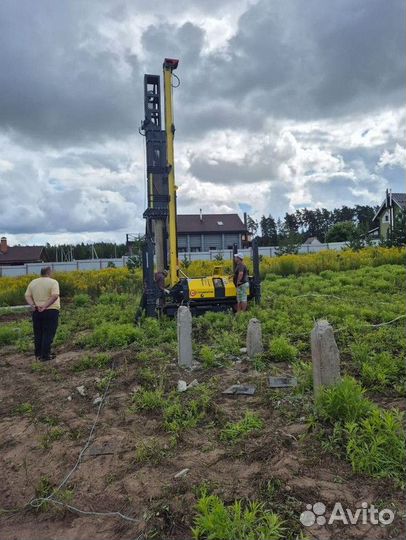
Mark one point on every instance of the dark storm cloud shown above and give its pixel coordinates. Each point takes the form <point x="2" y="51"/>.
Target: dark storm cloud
<point x="230" y="172"/>
<point x="306" y="60"/>
<point x="55" y="86"/>
<point x="62" y="80"/>
<point x="71" y="76"/>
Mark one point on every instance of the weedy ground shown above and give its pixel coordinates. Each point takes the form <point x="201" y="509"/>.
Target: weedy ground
<point x="254" y="461"/>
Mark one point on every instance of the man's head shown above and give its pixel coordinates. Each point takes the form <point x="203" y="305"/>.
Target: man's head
<point x="238" y="257"/>
<point x="46" y="271"/>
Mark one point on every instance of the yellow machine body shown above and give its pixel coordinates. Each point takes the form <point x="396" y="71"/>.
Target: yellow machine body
<point x="210" y="288"/>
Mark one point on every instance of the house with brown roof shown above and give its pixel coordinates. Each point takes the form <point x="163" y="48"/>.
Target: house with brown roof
<point x="16" y="255"/>
<point x="205" y="232"/>
<point x="385" y="216"/>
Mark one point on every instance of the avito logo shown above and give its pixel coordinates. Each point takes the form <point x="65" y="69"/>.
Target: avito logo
<point x="316" y="515"/>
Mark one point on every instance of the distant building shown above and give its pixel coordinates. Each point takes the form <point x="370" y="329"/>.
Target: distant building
<point x="312" y="241"/>
<point x="15" y="255"/>
<point x="205" y="232"/>
<point x="385" y="216"/>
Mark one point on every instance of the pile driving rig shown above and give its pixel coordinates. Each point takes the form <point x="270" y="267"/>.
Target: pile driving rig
<point x="209" y="293"/>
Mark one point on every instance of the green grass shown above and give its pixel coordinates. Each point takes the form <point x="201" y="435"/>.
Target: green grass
<point x="235" y="431"/>
<point x="151" y="452"/>
<point x="114" y="336"/>
<point x="8" y="335"/>
<point x="147" y="400"/>
<point x="281" y="350"/>
<point x="343" y="402"/>
<point x="373" y="438"/>
<point x="243" y="521"/>
<point x="376" y="445"/>
<point x="92" y="361"/>
<point x="24" y="409"/>
<point x="52" y="435"/>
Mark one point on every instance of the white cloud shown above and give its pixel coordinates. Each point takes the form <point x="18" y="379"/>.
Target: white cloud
<point x="397" y="158"/>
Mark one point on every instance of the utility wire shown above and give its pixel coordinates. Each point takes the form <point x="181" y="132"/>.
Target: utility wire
<point x="38" y="502"/>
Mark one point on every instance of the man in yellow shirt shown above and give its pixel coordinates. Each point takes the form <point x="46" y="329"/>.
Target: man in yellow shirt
<point x="42" y="295"/>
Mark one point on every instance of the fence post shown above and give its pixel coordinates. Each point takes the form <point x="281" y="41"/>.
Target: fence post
<point x="184" y="327"/>
<point x="254" y="338"/>
<point x="325" y="356"/>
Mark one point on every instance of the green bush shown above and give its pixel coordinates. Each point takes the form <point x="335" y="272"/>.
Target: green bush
<point x="81" y="299"/>
<point x="208" y="357"/>
<point x="8" y="335"/>
<point x="215" y="521"/>
<point x="111" y="336"/>
<point x="281" y="350"/>
<point x="376" y="445"/>
<point x="95" y="361"/>
<point x="382" y="369"/>
<point x="181" y="413"/>
<point x="235" y="431"/>
<point x="24" y="409"/>
<point x="147" y="400"/>
<point x="303" y="371"/>
<point x="343" y="402"/>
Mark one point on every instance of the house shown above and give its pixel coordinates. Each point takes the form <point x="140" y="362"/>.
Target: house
<point x="15" y="255"/>
<point x="385" y="216"/>
<point x="312" y="241"/>
<point x="205" y="232"/>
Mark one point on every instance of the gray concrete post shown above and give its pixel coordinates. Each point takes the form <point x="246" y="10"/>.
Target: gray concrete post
<point x="184" y="323"/>
<point x="325" y="356"/>
<point x="254" y="338"/>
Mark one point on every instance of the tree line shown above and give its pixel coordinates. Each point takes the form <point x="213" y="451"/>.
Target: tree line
<point x="98" y="250"/>
<point x="336" y="225"/>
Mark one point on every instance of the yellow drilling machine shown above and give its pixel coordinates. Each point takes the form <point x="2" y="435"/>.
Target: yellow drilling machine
<point x="159" y="252"/>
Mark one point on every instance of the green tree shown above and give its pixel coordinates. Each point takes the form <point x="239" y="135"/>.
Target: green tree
<point x="341" y="232"/>
<point x="268" y="231"/>
<point x="252" y="225"/>
<point x="397" y="235"/>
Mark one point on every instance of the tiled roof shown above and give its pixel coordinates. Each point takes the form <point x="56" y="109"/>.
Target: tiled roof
<point x="21" y="254"/>
<point x="210" y="223"/>
<point x="400" y="198"/>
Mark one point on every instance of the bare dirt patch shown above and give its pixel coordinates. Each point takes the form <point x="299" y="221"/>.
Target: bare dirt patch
<point x="283" y="464"/>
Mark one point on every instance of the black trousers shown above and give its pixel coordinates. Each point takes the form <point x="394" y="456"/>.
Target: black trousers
<point x="44" y="324"/>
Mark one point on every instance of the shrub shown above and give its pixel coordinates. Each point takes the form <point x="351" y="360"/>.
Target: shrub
<point x="216" y="521"/>
<point x="180" y="414"/>
<point x="382" y="370"/>
<point x="150" y="452"/>
<point x="110" y="375"/>
<point x="235" y="431"/>
<point x="376" y="445"/>
<point x="281" y="350"/>
<point x="207" y="356"/>
<point x="303" y="371"/>
<point x="96" y="361"/>
<point x="24" y="409"/>
<point x="8" y="335"/>
<point x="111" y="336"/>
<point x="147" y="400"/>
<point x="343" y="402"/>
<point x="81" y="299"/>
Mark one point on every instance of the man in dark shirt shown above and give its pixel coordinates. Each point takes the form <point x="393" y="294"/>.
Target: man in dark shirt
<point x="241" y="282"/>
<point x="160" y="283"/>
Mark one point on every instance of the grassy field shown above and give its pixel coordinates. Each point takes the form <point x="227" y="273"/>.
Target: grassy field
<point x="254" y="461"/>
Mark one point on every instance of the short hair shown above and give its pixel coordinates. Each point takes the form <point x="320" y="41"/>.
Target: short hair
<point x="46" y="270"/>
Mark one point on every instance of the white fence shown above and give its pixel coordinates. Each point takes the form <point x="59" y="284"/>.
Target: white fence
<point x="99" y="264"/>
<point x="35" y="268"/>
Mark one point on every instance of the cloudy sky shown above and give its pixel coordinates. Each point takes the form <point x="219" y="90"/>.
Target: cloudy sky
<point x="282" y="104"/>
